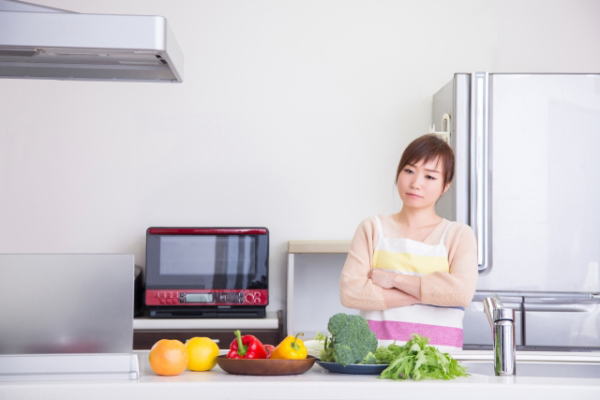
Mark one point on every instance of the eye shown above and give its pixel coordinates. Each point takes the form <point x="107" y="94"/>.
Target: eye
<point x="408" y="170"/>
<point x="433" y="178"/>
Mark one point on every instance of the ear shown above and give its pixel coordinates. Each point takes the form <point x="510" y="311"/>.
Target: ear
<point x="446" y="188"/>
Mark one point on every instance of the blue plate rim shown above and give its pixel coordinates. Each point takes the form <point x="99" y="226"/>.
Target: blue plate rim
<point x="350" y="365"/>
<point x="352" y="369"/>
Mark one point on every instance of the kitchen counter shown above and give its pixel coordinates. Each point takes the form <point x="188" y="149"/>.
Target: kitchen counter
<point x="314" y="384"/>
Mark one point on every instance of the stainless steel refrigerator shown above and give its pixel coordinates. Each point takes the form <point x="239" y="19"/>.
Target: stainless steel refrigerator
<point x="528" y="182"/>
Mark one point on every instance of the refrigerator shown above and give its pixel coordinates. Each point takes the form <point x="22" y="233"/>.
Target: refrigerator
<point x="527" y="181"/>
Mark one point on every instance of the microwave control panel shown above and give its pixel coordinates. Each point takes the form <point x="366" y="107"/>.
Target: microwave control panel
<point x="190" y="297"/>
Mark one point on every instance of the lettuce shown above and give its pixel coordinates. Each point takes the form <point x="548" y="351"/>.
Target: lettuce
<point x="387" y="354"/>
<point x="417" y="360"/>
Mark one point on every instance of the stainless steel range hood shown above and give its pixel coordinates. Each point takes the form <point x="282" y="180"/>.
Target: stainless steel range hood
<point x="48" y="43"/>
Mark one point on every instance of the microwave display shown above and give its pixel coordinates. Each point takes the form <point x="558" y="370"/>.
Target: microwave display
<point x="199" y="298"/>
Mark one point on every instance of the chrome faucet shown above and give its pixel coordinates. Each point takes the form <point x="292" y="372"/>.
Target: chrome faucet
<point x="502" y="322"/>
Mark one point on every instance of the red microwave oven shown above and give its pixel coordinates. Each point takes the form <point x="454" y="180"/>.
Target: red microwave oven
<point x="206" y="272"/>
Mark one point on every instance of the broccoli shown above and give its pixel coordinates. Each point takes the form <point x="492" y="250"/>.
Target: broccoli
<point x="351" y="339"/>
<point x="369" y="359"/>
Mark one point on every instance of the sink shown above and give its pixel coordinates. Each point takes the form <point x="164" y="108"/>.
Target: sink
<point x="543" y="369"/>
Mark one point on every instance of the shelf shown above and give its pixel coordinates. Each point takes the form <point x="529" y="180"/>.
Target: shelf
<point x="300" y="281"/>
<point x="318" y="246"/>
<point x="270" y="322"/>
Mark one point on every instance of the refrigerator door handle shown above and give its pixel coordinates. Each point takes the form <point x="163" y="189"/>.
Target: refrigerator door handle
<point x="480" y="193"/>
<point x="572" y="307"/>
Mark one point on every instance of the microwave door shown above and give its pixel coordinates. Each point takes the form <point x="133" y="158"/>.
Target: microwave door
<point x="207" y="260"/>
<point x="236" y="263"/>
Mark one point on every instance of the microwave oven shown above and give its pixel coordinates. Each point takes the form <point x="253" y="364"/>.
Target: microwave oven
<point x="206" y="272"/>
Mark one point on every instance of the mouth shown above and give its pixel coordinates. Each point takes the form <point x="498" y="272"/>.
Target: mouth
<point x="413" y="195"/>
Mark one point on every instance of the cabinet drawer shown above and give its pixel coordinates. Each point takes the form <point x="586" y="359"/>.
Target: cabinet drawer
<point x="562" y="324"/>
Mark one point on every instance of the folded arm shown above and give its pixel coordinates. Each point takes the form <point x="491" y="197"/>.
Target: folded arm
<point x="454" y="288"/>
<point x="357" y="289"/>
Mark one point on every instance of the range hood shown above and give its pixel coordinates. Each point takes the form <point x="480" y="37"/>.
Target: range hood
<point x="47" y="43"/>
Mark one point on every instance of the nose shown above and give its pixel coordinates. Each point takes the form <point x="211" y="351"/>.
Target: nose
<point x="415" y="182"/>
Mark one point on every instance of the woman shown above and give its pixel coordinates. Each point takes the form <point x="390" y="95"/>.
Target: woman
<point x="414" y="271"/>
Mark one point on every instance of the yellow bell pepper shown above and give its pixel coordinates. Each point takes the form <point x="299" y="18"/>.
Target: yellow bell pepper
<point x="290" y="348"/>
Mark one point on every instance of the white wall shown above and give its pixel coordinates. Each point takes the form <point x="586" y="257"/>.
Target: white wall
<point x="292" y="115"/>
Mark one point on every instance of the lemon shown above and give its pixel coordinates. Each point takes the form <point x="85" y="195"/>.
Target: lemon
<point x="202" y="353"/>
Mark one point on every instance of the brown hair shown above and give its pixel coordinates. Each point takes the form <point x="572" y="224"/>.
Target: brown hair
<point x="429" y="147"/>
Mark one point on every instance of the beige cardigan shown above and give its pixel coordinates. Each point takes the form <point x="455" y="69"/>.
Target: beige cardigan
<point x="454" y="288"/>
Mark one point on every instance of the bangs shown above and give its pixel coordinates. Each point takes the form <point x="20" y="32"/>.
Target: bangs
<point x="438" y="158"/>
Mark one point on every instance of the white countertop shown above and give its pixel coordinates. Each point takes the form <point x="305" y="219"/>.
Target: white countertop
<point x="269" y="322"/>
<point x="314" y="384"/>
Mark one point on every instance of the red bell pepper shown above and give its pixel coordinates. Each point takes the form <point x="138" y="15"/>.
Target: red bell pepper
<point x="246" y="347"/>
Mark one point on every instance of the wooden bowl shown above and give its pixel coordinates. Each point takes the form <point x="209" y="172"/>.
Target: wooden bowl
<point x="265" y="366"/>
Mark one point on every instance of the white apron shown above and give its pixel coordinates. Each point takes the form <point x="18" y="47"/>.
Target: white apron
<point x="442" y="325"/>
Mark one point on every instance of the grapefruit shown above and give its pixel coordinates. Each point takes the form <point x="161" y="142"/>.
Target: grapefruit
<point x="168" y="357"/>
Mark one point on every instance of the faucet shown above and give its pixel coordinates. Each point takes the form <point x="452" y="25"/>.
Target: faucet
<point x="502" y="322"/>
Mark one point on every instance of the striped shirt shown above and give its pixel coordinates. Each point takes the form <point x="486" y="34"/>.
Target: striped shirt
<point x="446" y="264"/>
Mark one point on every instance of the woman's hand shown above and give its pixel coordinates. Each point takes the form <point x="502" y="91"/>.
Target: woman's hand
<point x="383" y="278"/>
<point x="411" y="285"/>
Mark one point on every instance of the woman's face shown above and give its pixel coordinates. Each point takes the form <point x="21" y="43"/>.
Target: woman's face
<point x="420" y="185"/>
